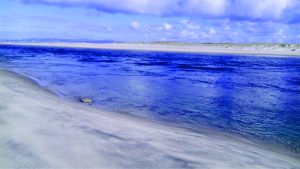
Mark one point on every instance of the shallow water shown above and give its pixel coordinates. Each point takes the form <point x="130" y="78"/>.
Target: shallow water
<point x="256" y="97"/>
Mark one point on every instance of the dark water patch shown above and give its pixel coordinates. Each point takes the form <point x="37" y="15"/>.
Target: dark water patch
<point x="294" y="81"/>
<point x="149" y="73"/>
<point x="97" y="60"/>
<point x="152" y="63"/>
<point x="283" y="89"/>
<point x="204" y="68"/>
<point x="272" y="86"/>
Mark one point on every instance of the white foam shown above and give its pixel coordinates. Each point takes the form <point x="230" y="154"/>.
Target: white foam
<point x="39" y="130"/>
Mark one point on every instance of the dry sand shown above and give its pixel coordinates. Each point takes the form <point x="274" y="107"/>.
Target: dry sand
<point x="280" y="50"/>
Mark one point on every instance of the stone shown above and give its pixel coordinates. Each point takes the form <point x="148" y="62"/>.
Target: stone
<point x="86" y="100"/>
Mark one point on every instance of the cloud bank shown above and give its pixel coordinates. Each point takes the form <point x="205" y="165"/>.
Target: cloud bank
<point x="274" y="10"/>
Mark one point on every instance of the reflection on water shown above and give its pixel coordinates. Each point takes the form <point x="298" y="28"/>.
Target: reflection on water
<point x="255" y="97"/>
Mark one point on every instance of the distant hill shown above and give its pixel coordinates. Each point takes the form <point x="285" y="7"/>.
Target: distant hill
<point x="60" y="40"/>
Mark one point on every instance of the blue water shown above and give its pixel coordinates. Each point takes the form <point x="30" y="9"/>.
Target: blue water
<point x="254" y="97"/>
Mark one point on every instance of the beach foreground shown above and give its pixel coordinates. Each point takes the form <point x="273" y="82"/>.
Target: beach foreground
<point x="40" y="130"/>
<point x="278" y="50"/>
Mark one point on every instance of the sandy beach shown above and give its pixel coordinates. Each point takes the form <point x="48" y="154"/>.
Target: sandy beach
<point x="40" y="130"/>
<point x="278" y="50"/>
<point x="145" y="84"/>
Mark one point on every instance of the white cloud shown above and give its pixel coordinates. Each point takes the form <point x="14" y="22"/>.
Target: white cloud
<point x="227" y="27"/>
<point x="262" y="9"/>
<point x="232" y="9"/>
<point x="134" y="25"/>
<point x="167" y="27"/>
<point x="211" y="31"/>
<point x="109" y="28"/>
<point x="162" y="7"/>
<point x="189" y="24"/>
<point x="188" y="34"/>
<point x="205" y="7"/>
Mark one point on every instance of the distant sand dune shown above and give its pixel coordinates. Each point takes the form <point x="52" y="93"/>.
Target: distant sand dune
<point x="248" y="49"/>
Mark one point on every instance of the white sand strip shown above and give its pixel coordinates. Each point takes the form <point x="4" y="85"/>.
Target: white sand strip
<point x="40" y="130"/>
<point x="250" y="49"/>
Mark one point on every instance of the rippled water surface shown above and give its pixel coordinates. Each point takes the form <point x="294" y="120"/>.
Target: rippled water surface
<point x="257" y="97"/>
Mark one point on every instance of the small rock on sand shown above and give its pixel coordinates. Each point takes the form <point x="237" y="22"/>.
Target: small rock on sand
<point x="86" y="100"/>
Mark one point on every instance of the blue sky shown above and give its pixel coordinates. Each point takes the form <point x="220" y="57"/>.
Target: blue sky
<point x="153" y="20"/>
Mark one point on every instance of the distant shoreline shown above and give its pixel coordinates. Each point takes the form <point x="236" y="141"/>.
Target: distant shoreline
<point x="274" y="50"/>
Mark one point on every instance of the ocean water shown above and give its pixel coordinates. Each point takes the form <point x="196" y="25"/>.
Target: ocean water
<point x="253" y="97"/>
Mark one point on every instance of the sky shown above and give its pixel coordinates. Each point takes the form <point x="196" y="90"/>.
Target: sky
<point x="214" y="21"/>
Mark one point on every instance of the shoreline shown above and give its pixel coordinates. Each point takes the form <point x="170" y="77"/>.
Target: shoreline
<point x="40" y="123"/>
<point x="203" y="130"/>
<point x="232" y="49"/>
